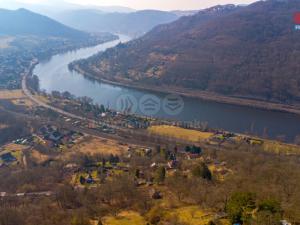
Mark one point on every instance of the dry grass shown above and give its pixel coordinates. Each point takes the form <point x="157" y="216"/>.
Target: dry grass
<point x="17" y="97"/>
<point x="11" y="94"/>
<point x="281" y="148"/>
<point x="180" y="133"/>
<point x="22" y="102"/>
<point x="42" y="98"/>
<point x="14" y="147"/>
<point x="192" y="215"/>
<point x="125" y="218"/>
<point x="38" y="157"/>
<point x="5" y="42"/>
<point x="103" y="146"/>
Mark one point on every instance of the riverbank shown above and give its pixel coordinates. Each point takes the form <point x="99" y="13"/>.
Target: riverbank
<point x="203" y="95"/>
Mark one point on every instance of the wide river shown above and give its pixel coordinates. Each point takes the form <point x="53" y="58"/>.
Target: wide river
<point x="54" y="75"/>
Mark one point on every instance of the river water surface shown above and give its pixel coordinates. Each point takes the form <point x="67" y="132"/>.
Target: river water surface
<point x="54" y="75"/>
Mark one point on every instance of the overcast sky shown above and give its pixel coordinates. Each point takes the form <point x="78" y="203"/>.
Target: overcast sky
<point x="142" y="4"/>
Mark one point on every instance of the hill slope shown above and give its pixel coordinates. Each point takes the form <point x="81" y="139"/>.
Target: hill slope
<point x="25" y="22"/>
<point x="250" y="52"/>
<point x="134" y="23"/>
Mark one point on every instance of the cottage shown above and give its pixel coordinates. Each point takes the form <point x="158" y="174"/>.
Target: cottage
<point x="55" y="136"/>
<point x="172" y="164"/>
<point x="154" y="194"/>
<point x="8" y="158"/>
<point x="191" y="156"/>
<point x="284" y="222"/>
<point x="90" y="179"/>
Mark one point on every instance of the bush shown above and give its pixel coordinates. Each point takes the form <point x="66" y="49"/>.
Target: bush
<point x="240" y="207"/>
<point x="202" y="171"/>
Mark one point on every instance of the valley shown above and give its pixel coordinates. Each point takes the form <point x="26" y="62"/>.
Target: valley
<point x="193" y="119"/>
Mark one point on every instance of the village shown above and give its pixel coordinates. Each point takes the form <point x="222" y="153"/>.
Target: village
<point x="110" y="146"/>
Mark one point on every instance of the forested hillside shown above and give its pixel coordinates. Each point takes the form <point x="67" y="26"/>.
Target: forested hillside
<point x="250" y="51"/>
<point x="134" y="23"/>
<point x="25" y="22"/>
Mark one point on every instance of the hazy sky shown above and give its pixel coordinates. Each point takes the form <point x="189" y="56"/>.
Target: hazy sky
<point x="144" y="4"/>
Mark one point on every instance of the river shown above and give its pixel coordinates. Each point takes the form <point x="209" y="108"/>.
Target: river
<point x="54" y="75"/>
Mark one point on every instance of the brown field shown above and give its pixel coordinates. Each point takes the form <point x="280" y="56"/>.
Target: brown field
<point x="17" y="97"/>
<point x="101" y="146"/>
<point x="125" y="218"/>
<point x="180" y="133"/>
<point x="14" y="147"/>
<point x="22" y="102"/>
<point x="38" y="157"/>
<point x="281" y="148"/>
<point x="42" y="98"/>
<point x="11" y="94"/>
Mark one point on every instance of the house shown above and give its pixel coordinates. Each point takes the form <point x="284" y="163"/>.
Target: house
<point x="90" y="179"/>
<point x="284" y="222"/>
<point x="71" y="167"/>
<point x="8" y="158"/>
<point x="191" y="156"/>
<point x="172" y="164"/>
<point x="55" y="136"/>
<point x="153" y="165"/>
<point x="148" y="151"/>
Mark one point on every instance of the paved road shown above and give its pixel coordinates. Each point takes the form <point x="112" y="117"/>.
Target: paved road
<point x="43" y="104"/>
<point x="60" y="111"/>
<point x="131" y="132"/>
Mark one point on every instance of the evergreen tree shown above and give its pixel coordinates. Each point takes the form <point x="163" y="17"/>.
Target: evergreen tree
<point x="202" y="171"/>
<point x="160" y="175"/>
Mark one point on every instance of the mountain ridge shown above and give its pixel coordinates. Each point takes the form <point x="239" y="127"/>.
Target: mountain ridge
<point x="248" y="51"/>
<point x="26" y="22"/>
<point x="133" y="23"/>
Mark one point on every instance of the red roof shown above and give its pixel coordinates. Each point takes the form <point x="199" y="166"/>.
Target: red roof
<point x="297" y="18"/>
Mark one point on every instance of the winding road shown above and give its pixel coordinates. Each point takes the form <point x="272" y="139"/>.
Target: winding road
<point x="38" y="102"/>
<point x="43" y="104"/>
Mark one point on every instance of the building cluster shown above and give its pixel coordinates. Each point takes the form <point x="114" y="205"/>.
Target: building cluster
<point x="54" y="137"/>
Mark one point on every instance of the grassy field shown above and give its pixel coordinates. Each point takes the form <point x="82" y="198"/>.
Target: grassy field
<point x="11" y="94"/>
<point x="125" y="218"/>
<point x="17" y="97"/>
<point x="38" y="157"/>
<point x="192" y="215"/>
<point x="281" y="148"/>
<point x="5" y="42"/>
<point x="180" y="133"/>
<point x="101" y="146"/>
<point x="42" y="98"/>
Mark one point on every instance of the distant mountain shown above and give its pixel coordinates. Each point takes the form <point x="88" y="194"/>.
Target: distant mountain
<point x="113" y="9"/>
<point x="134" y="24"/>
<point x="250" y="52"/>
<point x="54" y="7"/>
<point x="181" y="13"/>
<point x="25" y="22"/>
